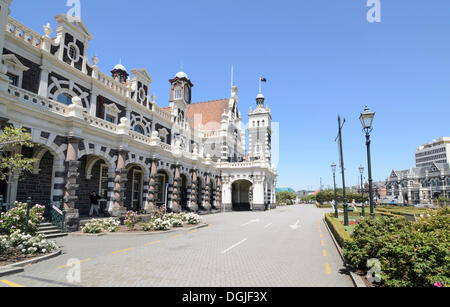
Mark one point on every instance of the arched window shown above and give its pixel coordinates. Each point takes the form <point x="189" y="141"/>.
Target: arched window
<point x="177" y="93"/>
<point x="139" y="129"/>
<point x="65" y="99"/>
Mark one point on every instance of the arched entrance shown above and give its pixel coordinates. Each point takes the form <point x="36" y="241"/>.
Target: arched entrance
<point x="94" y="174"/>
<point x="200" y="193"/>
<point x="184" y="192"/>
<point x="162" y="184"/>
<point x="241" y="195"/>
<point x="134" y="188"/>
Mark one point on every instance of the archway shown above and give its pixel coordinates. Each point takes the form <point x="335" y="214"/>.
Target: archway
<point x="38" y="184"/>
<point x="162" y="185"/>
<point x="94" y="175"/>
<point x="184" y="192"/>
<point x="134" y="188"/>
<point x="241" y="190"/>
<point x="200" y="193"/>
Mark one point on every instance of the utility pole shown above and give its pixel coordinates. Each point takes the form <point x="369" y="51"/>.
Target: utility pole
<point x="341" y="154"/>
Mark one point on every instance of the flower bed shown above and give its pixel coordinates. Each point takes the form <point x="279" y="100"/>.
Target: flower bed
<point x="18" y="247"/>
<point x="156" y="222"/>
<point x="407" y="254"/>
<point x="15" y="219"/>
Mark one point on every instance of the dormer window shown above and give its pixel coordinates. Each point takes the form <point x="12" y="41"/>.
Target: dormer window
<point x="142" y="94"/>
<point x="13" y="79"/>
<point x="111" y="113"/>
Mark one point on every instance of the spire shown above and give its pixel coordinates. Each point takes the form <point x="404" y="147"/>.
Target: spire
<point x="260" y="98"/>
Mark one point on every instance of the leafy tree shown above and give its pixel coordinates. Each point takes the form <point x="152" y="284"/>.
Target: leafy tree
<point x="286" y="197"/>
<point x="14" y="163"/>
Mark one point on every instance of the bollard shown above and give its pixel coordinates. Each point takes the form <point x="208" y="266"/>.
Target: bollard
<point x="28" y="214"/>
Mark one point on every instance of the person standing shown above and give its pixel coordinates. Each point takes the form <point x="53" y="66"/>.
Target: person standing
<point x="94" y="199"/>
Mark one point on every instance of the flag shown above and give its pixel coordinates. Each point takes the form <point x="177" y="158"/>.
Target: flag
<point x="263" y="79"/>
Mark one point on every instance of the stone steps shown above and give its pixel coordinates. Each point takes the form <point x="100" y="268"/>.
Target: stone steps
<point x="50" y="232"/>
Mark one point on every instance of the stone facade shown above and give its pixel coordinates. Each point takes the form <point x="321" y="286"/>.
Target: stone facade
<point x="106" y="133"/>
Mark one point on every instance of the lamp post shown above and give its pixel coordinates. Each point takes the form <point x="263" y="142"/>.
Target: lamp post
<point x="361" y="171"/>
<point x="341" y="155"/>
<point x="366" y="119"/>
<point x="333" y="168"/>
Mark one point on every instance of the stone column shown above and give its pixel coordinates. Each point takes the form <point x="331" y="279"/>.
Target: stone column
<point x="118" y="209"/>
<point x="43" y="83"/>
<point x="227" y="196"/>
<point x="218" y="203"/>
<point x="93" y="106"/>
<point x="194" y="192"/>
<point x="152" y="190"/>
<point x="207" y="200"/>
<point x="72" y="218"/>
<point x="176" y="193"/>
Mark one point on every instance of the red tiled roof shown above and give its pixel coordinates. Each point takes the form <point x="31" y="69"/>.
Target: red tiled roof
<point x="210" y="113"/>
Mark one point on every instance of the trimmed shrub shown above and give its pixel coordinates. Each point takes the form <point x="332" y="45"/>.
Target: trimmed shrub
<point x="337" y="229"/>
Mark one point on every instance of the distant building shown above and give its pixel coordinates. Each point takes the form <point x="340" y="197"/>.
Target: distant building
<point x="429" y="179"/>
<point x="433" y="152"/>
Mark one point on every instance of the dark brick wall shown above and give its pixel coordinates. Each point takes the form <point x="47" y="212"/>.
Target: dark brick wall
<point x="86" y="186"/>
<point x="38" y="187"/>
<point x="31" y="77"/>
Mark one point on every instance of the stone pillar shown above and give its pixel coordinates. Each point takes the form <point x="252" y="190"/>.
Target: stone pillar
<point x="152" y="190"/>
<point x="194" y="192"/>
<point x="227" y="196"/>
<point x="176" y="193"/>
<point x="207" y="201"/>
<point x="93" y="102"/>
<point x="43" y="83"/>
<point x="118" y="209"/>
<point x="218" y="202"/>
<point x="72" y="218"/>
<point x="257" y="195"/>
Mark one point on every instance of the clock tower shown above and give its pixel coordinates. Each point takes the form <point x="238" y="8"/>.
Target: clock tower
<point x="180" y="96"/>
<point x="260" y="131"/>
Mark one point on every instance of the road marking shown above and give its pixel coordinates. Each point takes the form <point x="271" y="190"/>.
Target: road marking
<point x="70" y="264"/>
<point x="268" y="225"/>
<point x="324" y="252"/>
<point x="323" y="243"/>
<point x="122" y="251"/>
<point x="176" y="236"/>
<point x="321" y="236"/>
<point x="11" y="284"/>
<point x="250" y="222"/>
<point x="296" y="226"/>
<point x="152" y="243"/>
<point x="193" y="231"/>
<point x="327" y="268"/>
<point x="235" y="245"/>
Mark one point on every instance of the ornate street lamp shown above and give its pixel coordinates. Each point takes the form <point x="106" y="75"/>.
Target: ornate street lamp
<point x="333" y="168"/>
<point x="361" y="171"/>
<point x="366" y="119"/>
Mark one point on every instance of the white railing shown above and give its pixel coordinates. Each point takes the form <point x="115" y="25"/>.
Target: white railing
<point x="23" y="32"/>
<point x="140" y="137"/>
<point x="113" y="84"/>
<point x="30" y="98"/>
<point x="211" y="133"/>
<point x="99" y="123"/>
<point x="161" y="112"/>
<point x="165" y="146"/>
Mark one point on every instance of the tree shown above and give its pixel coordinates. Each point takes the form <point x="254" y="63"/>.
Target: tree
<point x="14" y="163"/>
<point x="286" y="197"/>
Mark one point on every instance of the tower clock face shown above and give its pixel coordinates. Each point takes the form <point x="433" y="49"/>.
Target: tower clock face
<point x="187" y="94"/>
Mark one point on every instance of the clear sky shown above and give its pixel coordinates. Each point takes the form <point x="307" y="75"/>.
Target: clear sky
<point x="321" y="58"/>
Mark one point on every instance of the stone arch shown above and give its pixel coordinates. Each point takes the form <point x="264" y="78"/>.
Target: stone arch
<point x="59" y="87"/>
<point x="141" y="121"/>
<point x="241" y="194"/>
<point x="100" y="151"/>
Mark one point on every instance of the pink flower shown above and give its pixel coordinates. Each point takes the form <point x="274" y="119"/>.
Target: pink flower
<point x="438" y="284"/>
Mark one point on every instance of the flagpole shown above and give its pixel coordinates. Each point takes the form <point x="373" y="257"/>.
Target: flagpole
<point x="260" y="78"/>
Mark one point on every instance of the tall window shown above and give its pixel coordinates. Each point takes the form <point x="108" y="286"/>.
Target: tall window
<point x="177" y="93"/>
<point x="110" y="118"/>
<point x="65" y="99"/>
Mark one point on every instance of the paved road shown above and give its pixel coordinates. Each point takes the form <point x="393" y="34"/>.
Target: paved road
<point x="238" y="249"/>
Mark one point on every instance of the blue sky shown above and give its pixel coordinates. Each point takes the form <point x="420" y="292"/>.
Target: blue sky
<point x="321" y="58"/>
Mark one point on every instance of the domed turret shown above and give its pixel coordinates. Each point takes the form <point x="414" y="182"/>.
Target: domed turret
<point x="120" y="73"/>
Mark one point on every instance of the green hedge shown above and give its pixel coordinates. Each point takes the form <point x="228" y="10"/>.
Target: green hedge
<point x="337" y="229"/>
